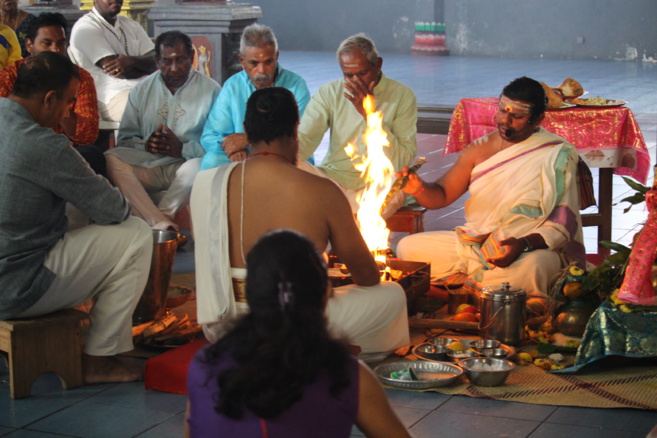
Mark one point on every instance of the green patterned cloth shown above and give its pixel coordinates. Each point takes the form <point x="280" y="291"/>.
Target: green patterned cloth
<point x="611" y="331"/>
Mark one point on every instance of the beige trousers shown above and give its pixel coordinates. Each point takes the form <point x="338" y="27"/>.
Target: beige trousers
<point x="109" y="263"/>
<point x="140" y="185"/>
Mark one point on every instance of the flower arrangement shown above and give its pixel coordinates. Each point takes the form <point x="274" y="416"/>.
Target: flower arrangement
<point x="605" y="280"/>
<point x="575" y="293"/>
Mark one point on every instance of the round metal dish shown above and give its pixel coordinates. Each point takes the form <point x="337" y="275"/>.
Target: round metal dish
<point x="455" y="356"/>
<point x="484" y="343"/>
<point x="450" y="373"/>
<point x="440" y="341"/>
<point x="493" y="352"/>
<point x="486" y="371"/>
<point x="430" y="352"/>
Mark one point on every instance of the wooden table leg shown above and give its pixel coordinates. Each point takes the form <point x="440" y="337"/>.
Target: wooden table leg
<point x="604" y="203"/>
<point x="602" y="219"/>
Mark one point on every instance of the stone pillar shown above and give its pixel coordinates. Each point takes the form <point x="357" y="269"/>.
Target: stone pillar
<point x="215" y="29"/>
<point x="135" y="9"/>
<point x="430" y="28"/>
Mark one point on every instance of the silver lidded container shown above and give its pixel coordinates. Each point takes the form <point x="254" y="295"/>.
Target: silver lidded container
<point x="503" y="314"/>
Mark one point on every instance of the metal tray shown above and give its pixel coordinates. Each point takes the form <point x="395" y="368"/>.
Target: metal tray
<point x="383" y="372"/>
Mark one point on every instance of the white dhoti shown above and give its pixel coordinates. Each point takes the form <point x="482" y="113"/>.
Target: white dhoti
<point x="527" y="188"/>
<point x="532" y="271"/>
<point x="371" y="317"/>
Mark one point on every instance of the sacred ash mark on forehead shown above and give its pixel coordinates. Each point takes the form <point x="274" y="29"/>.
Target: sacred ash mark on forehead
<point x="515" y="106"/>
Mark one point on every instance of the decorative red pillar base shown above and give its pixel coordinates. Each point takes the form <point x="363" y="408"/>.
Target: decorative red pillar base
<point x="429" y="40"/>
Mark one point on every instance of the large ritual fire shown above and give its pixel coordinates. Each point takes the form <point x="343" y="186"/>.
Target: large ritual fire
<point x="378" y="173"/>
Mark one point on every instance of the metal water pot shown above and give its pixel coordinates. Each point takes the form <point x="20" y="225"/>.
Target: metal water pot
<point x="152" y="303"/>
<point x="503" y="314"/>
<point x="573" y="317"/>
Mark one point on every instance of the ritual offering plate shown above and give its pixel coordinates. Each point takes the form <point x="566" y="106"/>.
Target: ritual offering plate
<point x="471" y="345"/>
<point x="597" y="102"/>
<point x="428" y="374"/>
<point x="564" y="106"/>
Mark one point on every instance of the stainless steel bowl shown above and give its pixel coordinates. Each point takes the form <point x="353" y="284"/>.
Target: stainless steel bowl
<point x="486" y="371"/>
<point x="484" y="343"/>
<point x="493" y="352"/>
<point x="430" y="352"/>
<point x="442" y="342"/>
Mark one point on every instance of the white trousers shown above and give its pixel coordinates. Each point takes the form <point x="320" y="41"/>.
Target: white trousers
<point x="113" y="110"/>
<point x="532" y="271"/>
<point x="109" y="263"/>
<point x="141" y="184"/>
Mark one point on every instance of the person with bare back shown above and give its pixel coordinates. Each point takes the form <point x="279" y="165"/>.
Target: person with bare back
<point x="235" y="204"/>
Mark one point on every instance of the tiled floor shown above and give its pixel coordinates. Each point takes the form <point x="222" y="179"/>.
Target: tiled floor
<point x="127" y="410"/>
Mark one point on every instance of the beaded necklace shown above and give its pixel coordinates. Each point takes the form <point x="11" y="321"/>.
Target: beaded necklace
<point x="102" y="21"/>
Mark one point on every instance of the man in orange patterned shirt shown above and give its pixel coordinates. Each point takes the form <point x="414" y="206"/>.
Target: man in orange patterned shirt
<point x="47" y="33"/>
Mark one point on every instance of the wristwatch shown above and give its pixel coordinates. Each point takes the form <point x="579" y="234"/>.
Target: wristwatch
<point x="528" y="245"/>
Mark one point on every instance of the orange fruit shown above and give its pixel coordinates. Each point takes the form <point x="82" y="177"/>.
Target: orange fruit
<point x="465" y="317"/>
<point x="457" y="346"/>
<point x="461" y="308"/>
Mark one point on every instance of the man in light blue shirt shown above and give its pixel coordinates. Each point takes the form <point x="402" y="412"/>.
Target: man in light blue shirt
<point x="223" y="136"/>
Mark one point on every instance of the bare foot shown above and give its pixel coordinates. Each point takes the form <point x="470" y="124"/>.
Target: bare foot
<point x="108" y="369"/>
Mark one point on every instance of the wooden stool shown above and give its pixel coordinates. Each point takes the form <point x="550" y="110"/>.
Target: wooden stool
<point x="45" y="344"/>
<point x="407" y="219"/>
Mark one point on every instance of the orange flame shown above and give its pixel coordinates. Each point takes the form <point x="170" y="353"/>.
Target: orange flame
<point x="378" y="173"/>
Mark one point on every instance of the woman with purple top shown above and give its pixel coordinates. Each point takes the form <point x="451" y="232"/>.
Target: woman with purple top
<point x="277" y="372"/>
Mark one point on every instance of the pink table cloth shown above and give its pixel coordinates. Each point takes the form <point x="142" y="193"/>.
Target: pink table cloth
<point x="604" y="137"/>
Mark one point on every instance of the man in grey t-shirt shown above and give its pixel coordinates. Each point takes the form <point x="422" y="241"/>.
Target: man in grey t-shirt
<point x="45" y="265"/>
